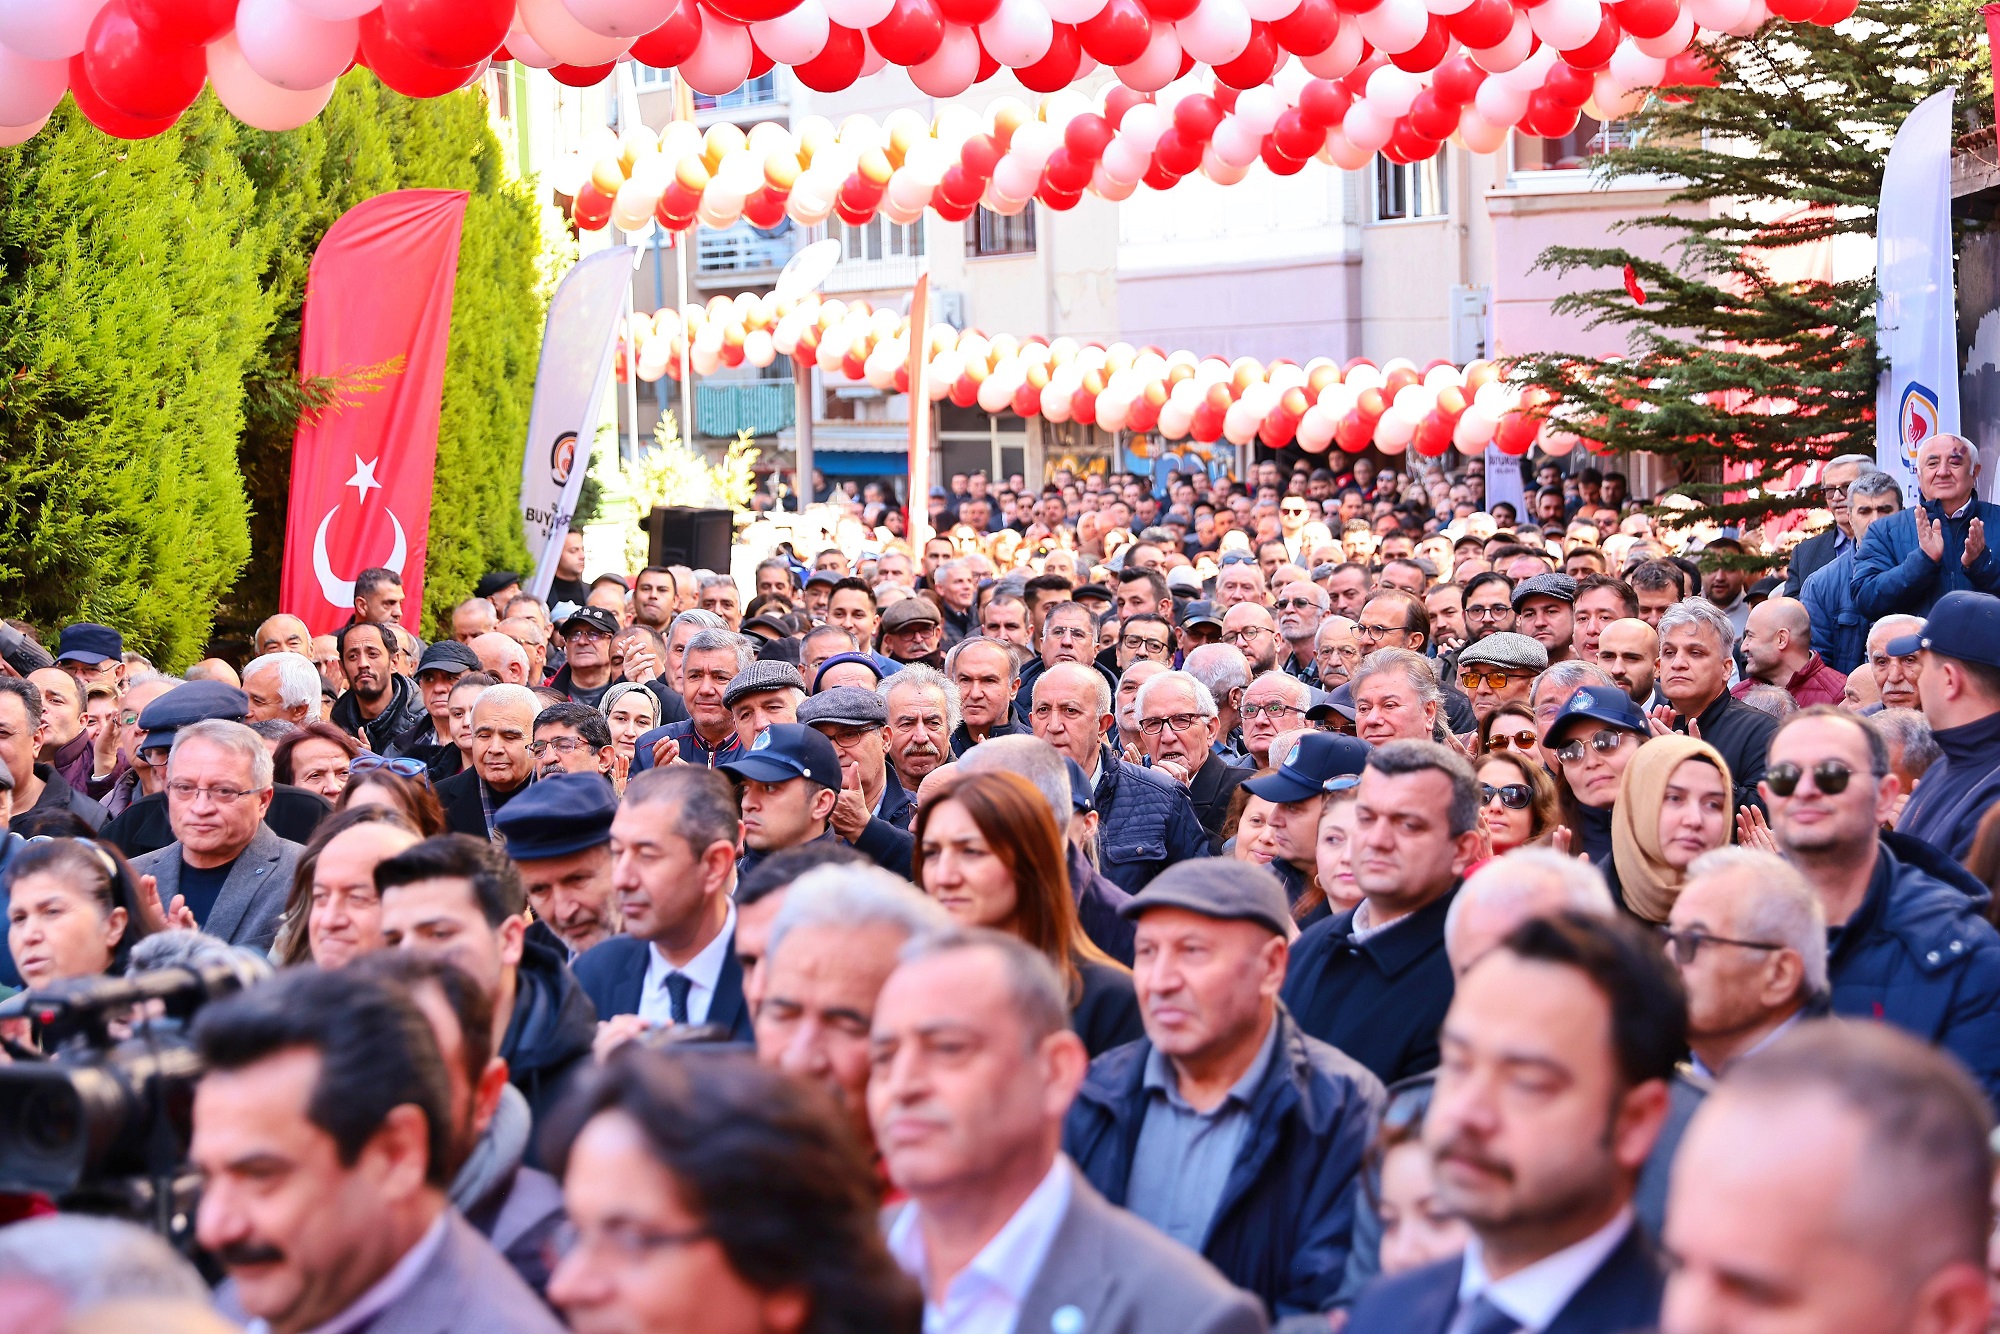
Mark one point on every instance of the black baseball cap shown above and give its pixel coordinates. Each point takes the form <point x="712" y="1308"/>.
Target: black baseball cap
<point x="1962" y="625"/>
<point x="597" y="618"/>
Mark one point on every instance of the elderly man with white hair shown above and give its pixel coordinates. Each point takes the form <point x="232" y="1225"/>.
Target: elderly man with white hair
<point x="282" y="686"/>
<point x="1226" y="672"/>
<point x="1175" y="720"/>
<point x="1915" y="556"/>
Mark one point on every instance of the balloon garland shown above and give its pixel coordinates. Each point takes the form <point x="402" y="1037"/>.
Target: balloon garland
<point x="133" y="66"/>
<point x="1179" y="395"/>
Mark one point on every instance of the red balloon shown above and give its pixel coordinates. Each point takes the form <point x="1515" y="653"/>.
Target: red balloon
<point x="1595" y="54"/>
<point x="1176" y="154"/>
<point x="1088" y="135"/>
<point x="1309" y="29"/>
<point x="1836" y="11"/>
<point x="107" y="117"/>
<point x="1225" y="97"/>
<point x="1144" y="416"/>
<point x="1277" y="430"/>
<point x="853" y="217"/>
<point x="1196" y="117"/>
<point x="1689" y="69"/>
<point x="592" y="208"/>
<point x="1119" y="100"/>
<point x="1297" y="137"/>
<point x="988" y="66"/>
<point x="411" y="75"/>
<point x="1324" y="103"/>
<point x="968" y="13"/>
<point x="1457" y="81"/>
<point x="1118" y="35"/>
<point x="1082" y="405"/>
<point x="1280" y="162"/>
<point x="1482" y="24"/>
<point x="673" y="41"/>
<point x="1027" y="401"/>
<point x="187" y="22"/>
<point x="136" y="73"/>
<point x="573" y="76"/>
<point x="1517" y="433"/>
<point x="1258" y="62"/>
<point x="1432" y="116"/>
<point x="1207" y="424"/>
<point x="1427" y="54"/>
<point x="911" y="34"/>
<point x="1159" y="177"/>
<point x="1187" y="64"/>
<point x="1547" y="116"/>
<point x="1171" y="11"/>
<point x="1352" y="434"/>
<point x="752" y="11"/>
<point x="1647" y="18"/>
<point x="764" y="209"/>
<point x="1055" y="70"/>
<point x="1066" y="172"/>
<point x="1567" y="84"/>
<point x="1433" y="436"/>
<point x="1797" y="11"/>
<point x="958" y="186"/>
<point x="837" y="65"/>
<point x="760" y="64"/>
<point x="1356" y="6"/>
<point x="980" y="155"/>
<point x="953" y="212"/>
<point x="450" y="33"/>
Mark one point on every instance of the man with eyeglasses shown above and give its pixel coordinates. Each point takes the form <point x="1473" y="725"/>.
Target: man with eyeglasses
<point x="1300" y="606"/>
<point x="571" y="738"/>
<point x="1914" y="557"/>
<point x="225" y="871"/>
<point x="1839" y="630"/>
<point x="587" y="672"/>
<point x="1960" y="688"/>
<point x="1500" y="669"/>
<point x="1069" y="634"/>
<point x="1145" y="637"/>
<point x="1274" y="703"/>
<point x="1749" y="938"/>
<point x="1906" y="940"/>
<point x="92" y="654"/>
<point x="1489" y="605"/>
<point x="874" y="809"/>
<point x="1177" y="726"/>
<point x="1252" y="629"/>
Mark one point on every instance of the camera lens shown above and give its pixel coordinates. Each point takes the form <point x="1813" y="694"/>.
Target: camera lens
<point x="51" y="1120"/>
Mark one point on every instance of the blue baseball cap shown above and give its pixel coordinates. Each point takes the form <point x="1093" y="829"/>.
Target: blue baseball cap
<point x="1604" y="704"/>
<point x="558" y="815"/>
<point x="94" y="644"/>
<point x="784" y="751"/>
<point x="1962" y="625"/>
<point x="868" y="660"/>
<point x="1082" y="800"/>
<point x="1320" y="758"/>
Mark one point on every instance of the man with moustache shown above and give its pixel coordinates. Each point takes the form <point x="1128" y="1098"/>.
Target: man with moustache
<point x="380" y="704"/>
<point x="1896" y="675"/>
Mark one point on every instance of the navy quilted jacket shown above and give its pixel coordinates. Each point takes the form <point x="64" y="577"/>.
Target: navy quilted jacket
<point x="1145" y="823"/>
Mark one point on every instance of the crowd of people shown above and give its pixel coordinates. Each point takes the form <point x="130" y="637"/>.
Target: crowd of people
<point x="1315" y="901"/>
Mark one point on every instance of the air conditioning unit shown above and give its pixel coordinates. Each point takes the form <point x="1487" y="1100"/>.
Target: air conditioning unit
<point x="948" y="307"/>
<point x="1470" y="307"/>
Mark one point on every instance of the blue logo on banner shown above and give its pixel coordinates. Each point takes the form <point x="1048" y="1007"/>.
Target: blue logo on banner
<point x="1916" y="420"/>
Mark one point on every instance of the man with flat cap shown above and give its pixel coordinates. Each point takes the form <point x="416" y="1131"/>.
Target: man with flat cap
<point x="558" y="835"/>
<point x="430" y="740"/>
<point x="763" y="693"/>
<point x="1226" y="1126"/>
<point x="912" y="631"/>
<point x="1960" y="691"/>
<point x="874" y="809"/>
<point x="1320" y="763"/>
<point x="1545" y="611"/>
<point x="787" y="783"/>
<point x="145" y="826"/>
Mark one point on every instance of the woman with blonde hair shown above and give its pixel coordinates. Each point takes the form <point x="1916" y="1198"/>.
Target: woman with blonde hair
<point x="988" y="851"/>
<point x="1674" y="804"/>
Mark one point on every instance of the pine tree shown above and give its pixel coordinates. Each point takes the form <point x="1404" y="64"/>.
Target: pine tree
<point x="1728" y="363"/>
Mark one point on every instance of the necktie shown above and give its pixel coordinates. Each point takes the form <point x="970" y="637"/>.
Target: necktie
<point x="678" y="986"/>
<point x="1483" y="1317"/>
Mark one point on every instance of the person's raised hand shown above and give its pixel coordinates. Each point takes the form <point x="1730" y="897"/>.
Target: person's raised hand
<point x="666" y="751"/>
<point x="850" y="813"/>
<point x="1930" y="535"/>
<point x="1660" y="721"/>
<point x="1975" y="543"/>
<point x="640" y="664"/>
<point x="615" y="1032"/>
<point x="1754" y="831"/>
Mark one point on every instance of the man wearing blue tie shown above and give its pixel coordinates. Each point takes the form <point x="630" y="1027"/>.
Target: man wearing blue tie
<point x="1557" y="1053"/>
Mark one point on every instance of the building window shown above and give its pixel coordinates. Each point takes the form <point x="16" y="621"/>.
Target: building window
<point x="1574" y="151"/>
<point x="877" y="239"/>
<point x="1413" y="190"/>
<point x="990" y="233"/>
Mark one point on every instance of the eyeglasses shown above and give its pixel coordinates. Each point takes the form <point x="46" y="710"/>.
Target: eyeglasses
<point x="561" y="745"/>
<point x="1292" y="509"/>
<point x="1244" y="636"/>
<point x="585" y="634"/>
<point x="1514" y="796"/>
<point x="1294" y="604"/>
<point x="1179" y="722"/>
<point x="1493" y="680"/>
<point x="396" y="764"/>
<point x="622" y="1241"/>
<point x="1523" y="742"/>
<point x="1144" y="645"/>
<point x="1274" y="710"/>
<point x="1829" y="776"/>
<point x="1603" y="741"/>
<point x="1370" y="633"/>
<point x="1684" y="946"/>
<point x="1341" y="783"/>
<point x="222" y="795"/>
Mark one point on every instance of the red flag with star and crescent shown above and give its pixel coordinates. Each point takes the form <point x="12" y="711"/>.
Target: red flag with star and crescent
<point x="376" y="323"/>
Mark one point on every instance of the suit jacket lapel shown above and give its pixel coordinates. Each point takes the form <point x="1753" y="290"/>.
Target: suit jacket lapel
<point x="1623" y="1294"/>
<point x="1077" y="1272"/>
<point x="727" y="1008"/>
<point x="249" y="876"/>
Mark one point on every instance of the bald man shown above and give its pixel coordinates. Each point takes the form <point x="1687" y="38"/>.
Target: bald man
<point x="67" y="746"/>
<point x="1629" y="649"/>
<point x="502" y="657"/>
<point x="284" y="634"/>
<point x="1777" y="649"/>
<point x="534" y="641"/>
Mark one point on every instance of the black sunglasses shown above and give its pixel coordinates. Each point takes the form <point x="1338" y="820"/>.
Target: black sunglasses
<point x="1514" y="796"/>
<point x="1831" y="777"/>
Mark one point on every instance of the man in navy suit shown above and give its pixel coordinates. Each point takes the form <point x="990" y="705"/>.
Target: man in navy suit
<point x="1557" y="1053"/>
<point x="673" y="863"/>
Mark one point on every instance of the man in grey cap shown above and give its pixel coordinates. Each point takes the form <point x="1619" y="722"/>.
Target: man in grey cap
<point x="430" y="740"/>
<point x="1545" y="611"/>
<point x="874" y="809"/>
<point x="761" y="694"/>
<point x="912" y="631"/>
<point x="1227" y="1127"/>
<point x="1500" y="669"/>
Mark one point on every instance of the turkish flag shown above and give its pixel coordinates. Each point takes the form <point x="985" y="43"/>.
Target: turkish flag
<point x="377" y="317"/>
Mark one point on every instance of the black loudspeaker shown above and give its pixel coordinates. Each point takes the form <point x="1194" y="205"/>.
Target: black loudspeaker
<point x="679" y="535"/>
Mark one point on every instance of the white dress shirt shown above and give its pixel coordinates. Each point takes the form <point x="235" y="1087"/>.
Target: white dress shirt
<point x="703" y="971"/>
<point x="387" y="1290"/>
<point x="1535" y="1296"/>
<point x="985" y="1297"/>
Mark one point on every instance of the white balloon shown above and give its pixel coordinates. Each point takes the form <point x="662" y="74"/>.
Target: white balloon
<point x="1393" y="89"/>
<point x="1019" y="34"/>
<point x="1125" y="161"/>
<point x="1075" y="11"/>
<point x="1500" y="103"/>
<point x="1614" y="100"/>
<point x="1217" y="32"/>
<point x="1290" y="80"/>
<point x="1446" y="8"/>
<point x="10" y="135"/>
<point x="620" y="18"/>
<point x="292" y="49"/>
<point x="1270" y="11"/>
<point x="46" y="29"/>
<point x="1144" y="124"/>
<point x="338" y="9"/>
<point x="859" y="13"/>
<point x="1715" y="15"/>
<point x="721" y="62"/>
<point x="1509" y="54"/>
<point x="1235" y="142"/>
<point x="256" y="102"/>
<point x="29" y="89"/>
<point x="1758" y="15"/>
<point x="1034" y="142"/>
<point x="1395" y="26"/>
<point x="1478" y="133"/>
<point x="1671" y="42"/>
<point x="1221" y="171"/>
<point x="954" y="66"/>
<point x="1158" y="66"/>
<point x="527" y="51"/>
<point x="1633" y="68"/>
<point x="793" y="38"/>
<point x="1566" y="24"/>
<point x="1259" y="108"/>
<point x="1367" y="125"/>
<point x="1341" y="56"/>
<point x="557" y="32"/>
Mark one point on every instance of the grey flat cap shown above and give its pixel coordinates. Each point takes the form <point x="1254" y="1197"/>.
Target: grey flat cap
<point x="1558" y="586"/>
<point x="1219" y="887"/>
<point x="759" y="677"/>
<point x="1506" y="649"/>
<point x="845" y="706"/>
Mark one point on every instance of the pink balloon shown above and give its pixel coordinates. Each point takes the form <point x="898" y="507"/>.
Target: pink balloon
<point x="46" y="29"/>
<point x="620" y="18"/>
<point x="557" y="32"/>
<point x="1159" y="66"/>
<point x="952" y="70"/>
<point x="258" y="104"/>
<point x="1020" y="34"/>
<point x="337" y="9"/>
<point x="291" y="48"/>
<point x="1217" y="32"/>
<point x="29" y="89"/>
<point x="11" y="135"/>
<point x="722" y="62"/>
<point x="796" y="37"/>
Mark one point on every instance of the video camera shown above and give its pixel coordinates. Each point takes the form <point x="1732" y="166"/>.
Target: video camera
<point x="103" y="1122"/>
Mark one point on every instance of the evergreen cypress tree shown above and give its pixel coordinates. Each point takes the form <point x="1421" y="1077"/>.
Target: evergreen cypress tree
<point x="1728" y="362"/>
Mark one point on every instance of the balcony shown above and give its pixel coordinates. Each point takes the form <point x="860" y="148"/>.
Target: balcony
<point x="761" y="91"/>
<point x="742" y="250"/>
<point x="761" y="407"/>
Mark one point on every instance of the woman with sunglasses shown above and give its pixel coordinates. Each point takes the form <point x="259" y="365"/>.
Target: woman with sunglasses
<point x="401" y="785"/>
<point x="1517" y="800"/>
<point x="632" y="710"/>
<point x="1594" y="736"/>
<point x="317" y="758"/>
<point x="1673" y="805"/>
<point x="72" y="911"/>
<point x="1510" y="727"/>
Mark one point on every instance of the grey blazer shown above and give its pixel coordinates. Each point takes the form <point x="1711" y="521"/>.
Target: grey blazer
<point x="467" y="1288"/>
<point x="246" y="912"/>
